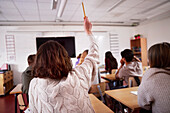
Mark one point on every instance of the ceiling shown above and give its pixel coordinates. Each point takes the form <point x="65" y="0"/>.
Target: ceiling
<point x="106" y="12"/>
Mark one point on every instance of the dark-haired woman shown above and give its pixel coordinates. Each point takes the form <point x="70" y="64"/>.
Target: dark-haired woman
<point x="57" y="87"/>
<point x="154" y="91"/>
<point x="110" y="62"/>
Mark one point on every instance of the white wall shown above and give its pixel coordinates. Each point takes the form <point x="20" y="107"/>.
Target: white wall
<point x="26" y="44"/>
<point x="155" y="32"/>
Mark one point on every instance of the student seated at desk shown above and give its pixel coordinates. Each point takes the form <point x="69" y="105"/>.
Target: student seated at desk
<point x="57" y="87"/>
<point x="83" y="56"/>
<point x="154" y="90"/>
<point x="26" y="75"/>
<point x="110" y="62"/>
<point x="130" y="66"/>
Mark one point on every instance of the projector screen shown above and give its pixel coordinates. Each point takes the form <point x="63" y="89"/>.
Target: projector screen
<point x="67" y="42"/>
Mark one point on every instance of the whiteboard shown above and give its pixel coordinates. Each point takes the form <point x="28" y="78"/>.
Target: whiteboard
<point x="82" y="43"/>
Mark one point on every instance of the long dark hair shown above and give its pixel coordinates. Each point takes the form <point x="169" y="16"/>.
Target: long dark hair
<point x="52" y="61"/>
<point x="110" y="61"/>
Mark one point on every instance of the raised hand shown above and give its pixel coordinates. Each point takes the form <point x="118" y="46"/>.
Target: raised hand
<point x="87" y="26"/>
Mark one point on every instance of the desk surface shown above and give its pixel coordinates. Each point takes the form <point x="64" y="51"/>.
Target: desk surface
<point x="109" y="76"/>
<point x="125" y="97"/>
<point x="98" y="106"/>
<point x="103" y="80"/>
<point x="17" y="89"/>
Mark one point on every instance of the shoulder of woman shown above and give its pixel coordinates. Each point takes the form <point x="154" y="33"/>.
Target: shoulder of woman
<point x="150" y="72"/>
<point x="34" y="81"/>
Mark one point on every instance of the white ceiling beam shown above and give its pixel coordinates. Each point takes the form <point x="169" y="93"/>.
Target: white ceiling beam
<point x="115" y="5"/>
<point x="154" y="7"/>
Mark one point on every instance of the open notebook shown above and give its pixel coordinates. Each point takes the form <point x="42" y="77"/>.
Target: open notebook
<point x="134" y="92"/>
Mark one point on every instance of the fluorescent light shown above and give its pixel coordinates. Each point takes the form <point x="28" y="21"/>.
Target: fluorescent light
<point x="53" y="4"/>
<point x="61" y="8"/>
<point x="154" y="7"/>
<point x="115" y="5"/>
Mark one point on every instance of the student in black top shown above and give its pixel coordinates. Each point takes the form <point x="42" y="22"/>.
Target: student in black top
<point x="110" y="62"/>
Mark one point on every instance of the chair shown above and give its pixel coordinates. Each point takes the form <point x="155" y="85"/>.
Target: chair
<point x="22" y="102"/>
<point x="116" y="83"/>
<point x="98" y="90"/>
<point x="114" y="71"/>
<point x="132" y="81"/>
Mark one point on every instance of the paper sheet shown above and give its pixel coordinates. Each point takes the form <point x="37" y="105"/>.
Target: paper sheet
<point x="134" y="92"/>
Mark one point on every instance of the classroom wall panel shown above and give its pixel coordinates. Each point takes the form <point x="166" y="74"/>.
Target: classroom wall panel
<point x="2" y="47"/>
<point x="155" y="32"/>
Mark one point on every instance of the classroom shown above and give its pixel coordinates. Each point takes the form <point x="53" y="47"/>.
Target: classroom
<point x="117" y="25"/>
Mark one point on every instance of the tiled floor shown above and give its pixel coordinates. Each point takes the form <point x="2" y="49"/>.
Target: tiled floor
<point x="7" y="104"/>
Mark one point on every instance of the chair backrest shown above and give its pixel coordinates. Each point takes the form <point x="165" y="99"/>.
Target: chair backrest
<point x="94" y="89"/>
<point x="132" y="81"/>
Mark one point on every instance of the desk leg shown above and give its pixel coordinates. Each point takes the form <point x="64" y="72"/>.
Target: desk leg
<point x="16" y="102"/>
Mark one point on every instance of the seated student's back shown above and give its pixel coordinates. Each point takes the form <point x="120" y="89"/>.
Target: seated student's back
<point x="131" y="66"/>
<point x="27" y="75"/>
<point x="154" y="91"/>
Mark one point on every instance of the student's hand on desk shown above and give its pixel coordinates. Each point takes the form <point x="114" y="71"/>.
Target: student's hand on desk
<point x="87" y="26"/>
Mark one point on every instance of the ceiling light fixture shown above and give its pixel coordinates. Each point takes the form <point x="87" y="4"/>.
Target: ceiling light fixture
<point x="61" y="8"/>
<point x="154" y="7"/>
<point x="115" y="5"/>
<point x="54" y="4"/>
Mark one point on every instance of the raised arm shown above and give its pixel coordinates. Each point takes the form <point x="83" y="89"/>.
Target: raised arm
<point x="88" y="69"/>
<point x="117" y="75"/>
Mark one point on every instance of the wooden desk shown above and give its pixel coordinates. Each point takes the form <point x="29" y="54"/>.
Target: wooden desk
<point x="125" y="97"/>
<point x="109" y="76"/>
<point x="104" y="71"/>
<point x="98" y="106"/>
<point x="17" y="90"/>
<point x="103" y="80"/>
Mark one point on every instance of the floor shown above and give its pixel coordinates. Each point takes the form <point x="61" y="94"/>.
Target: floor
<point x="7" y="104"/>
